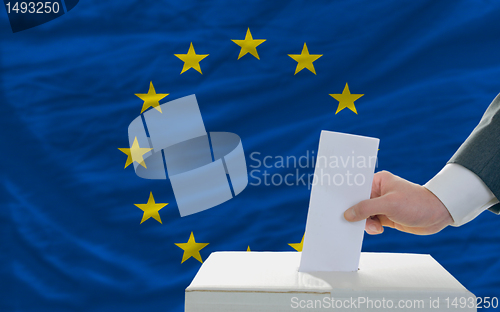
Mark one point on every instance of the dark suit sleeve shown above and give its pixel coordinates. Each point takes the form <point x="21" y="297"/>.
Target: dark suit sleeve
<point x="480" y="153"/>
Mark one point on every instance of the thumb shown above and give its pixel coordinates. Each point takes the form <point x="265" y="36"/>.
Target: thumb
<point x="367" y="208"/>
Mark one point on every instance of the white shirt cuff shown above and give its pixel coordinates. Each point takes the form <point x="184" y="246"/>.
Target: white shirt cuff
<point x="462" y="192"/>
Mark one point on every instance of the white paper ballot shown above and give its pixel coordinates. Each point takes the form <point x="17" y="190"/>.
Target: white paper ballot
<point x="343" y="176"/>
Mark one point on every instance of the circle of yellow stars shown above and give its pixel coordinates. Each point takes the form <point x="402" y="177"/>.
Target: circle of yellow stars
<point x="192" y="60"/>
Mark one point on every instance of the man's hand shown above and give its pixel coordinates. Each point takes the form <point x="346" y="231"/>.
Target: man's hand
<point x="402" y="205"/>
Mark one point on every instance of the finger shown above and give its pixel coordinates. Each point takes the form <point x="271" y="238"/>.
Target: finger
<point x="369" y="207"/>
<point x="373" y="226"/>
<point x="376" y="192"/>
<point x="386" y="221"/>
<point x="379" y="179"/>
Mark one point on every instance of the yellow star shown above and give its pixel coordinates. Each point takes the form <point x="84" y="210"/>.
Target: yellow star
<point x="135" y="153"/>
<point x="191" y="249"/>
<point x="191" y="59"/>
<point x="249" y="45"/>
<point x="298" y="246"/>
<point x="346" y="99"/>
<point x="248" y="249"/>
<point x="305" y="60"/>
<point x="151" y="209"/>
<point x="151" y="99"/>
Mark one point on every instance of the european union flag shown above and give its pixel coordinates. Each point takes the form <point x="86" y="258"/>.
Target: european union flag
<point x="79" y="232"/>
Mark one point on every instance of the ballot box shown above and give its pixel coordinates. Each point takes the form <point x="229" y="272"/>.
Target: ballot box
<point x="271" y="282"/>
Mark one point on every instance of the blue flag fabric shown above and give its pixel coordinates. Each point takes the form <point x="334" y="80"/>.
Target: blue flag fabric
<point x="71" y="235"/>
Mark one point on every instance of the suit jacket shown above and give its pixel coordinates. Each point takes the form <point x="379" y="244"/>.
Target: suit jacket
<point x="480" y="153"/>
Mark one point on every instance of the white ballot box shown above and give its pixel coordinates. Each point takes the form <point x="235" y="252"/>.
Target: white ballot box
<point x="271" y="282"/>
